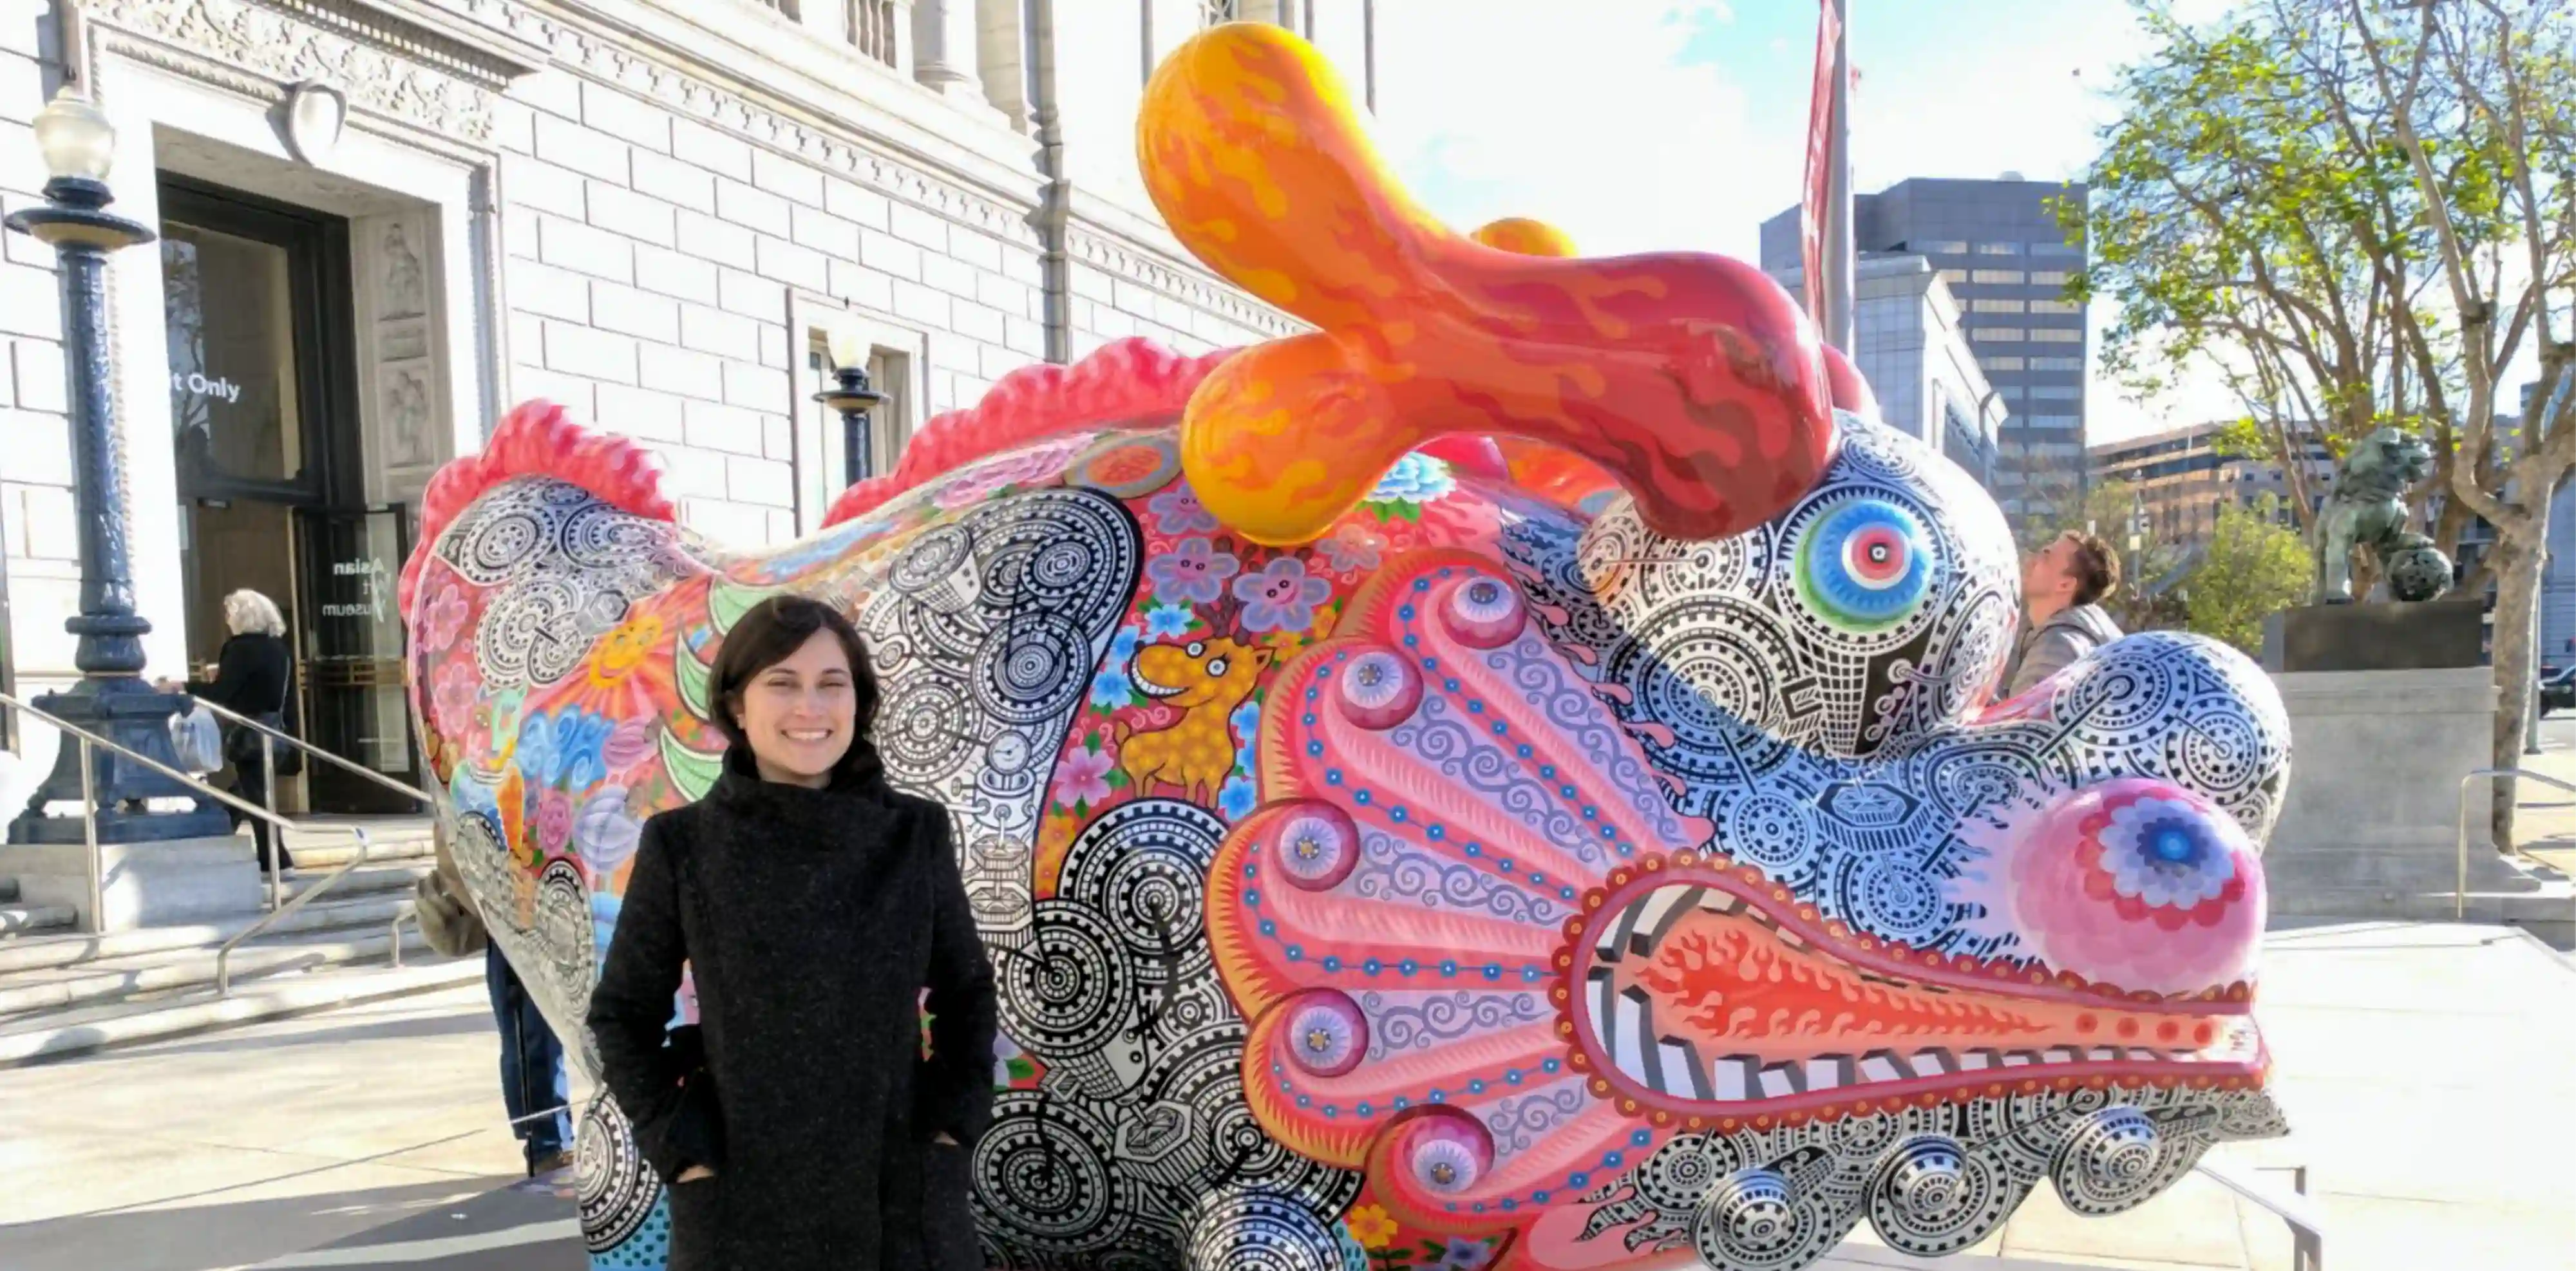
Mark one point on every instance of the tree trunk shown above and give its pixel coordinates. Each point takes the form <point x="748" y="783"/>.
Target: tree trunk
<point x="2517" y="571"/>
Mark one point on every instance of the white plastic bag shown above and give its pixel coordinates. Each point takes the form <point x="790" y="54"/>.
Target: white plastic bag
<point x="198" y="739"/>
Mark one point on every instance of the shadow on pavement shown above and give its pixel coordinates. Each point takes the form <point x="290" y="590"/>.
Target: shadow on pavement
<point x="468" y="1224"/>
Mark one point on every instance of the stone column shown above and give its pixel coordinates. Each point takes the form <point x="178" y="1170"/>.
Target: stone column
<point x="943" y="49"/>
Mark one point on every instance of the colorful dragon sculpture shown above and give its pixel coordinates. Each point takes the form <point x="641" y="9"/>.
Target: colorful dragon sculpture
<point x="1501" y="780"/>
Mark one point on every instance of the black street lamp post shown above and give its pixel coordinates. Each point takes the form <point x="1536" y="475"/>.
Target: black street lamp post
<point x="111" y="700"/>
<point x="853" y="397"/>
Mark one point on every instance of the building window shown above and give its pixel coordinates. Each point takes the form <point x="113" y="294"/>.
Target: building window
<point x="2008" y="392"/>
<point x="1954" y="277"/>
<point x="1998" y="335"/>
<point x="2055" y="306"/>
<point x="1984" y="305"/>
<point x="2058" y="392"/>
<point x="1999" y="249"/>
<point x="872" y="29"/>
<point x="2055" y="421"/>
<point x="2060" y="250"/>
<point x="1943" y="246"/>
<point x="783" y="8"/>
<point x="2007" y="276"/>
<point x="2000" y="363"/>
<point x="2057" y="335"/>
<point x="1214" y="12"/>
<point x="2057" y="364"/>
<point x="2048" y="277"/>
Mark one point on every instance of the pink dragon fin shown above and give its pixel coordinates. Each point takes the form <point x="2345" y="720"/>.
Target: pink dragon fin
<point x="1445" y="793"/>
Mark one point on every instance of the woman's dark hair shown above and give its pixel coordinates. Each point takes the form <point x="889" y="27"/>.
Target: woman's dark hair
<point x="767" y="635"/>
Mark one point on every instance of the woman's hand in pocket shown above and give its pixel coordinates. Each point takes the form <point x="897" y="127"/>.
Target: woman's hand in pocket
<point x="694" y="1173"/>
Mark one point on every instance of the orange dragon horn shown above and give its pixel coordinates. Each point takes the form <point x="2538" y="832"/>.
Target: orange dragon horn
<point x="1692" y="379"/>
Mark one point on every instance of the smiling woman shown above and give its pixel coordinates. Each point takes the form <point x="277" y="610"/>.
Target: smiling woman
<point x="798" y="1123"/>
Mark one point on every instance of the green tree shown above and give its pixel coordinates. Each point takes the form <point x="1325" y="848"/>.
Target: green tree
<point x="2362" y="212"/>
<point x="2253" y="567"/>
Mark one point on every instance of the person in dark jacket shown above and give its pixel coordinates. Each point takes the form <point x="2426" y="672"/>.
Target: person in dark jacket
<point x="798" y="1124"/>
<point x="254" y="677"/>
<point x="2062" y="586"/>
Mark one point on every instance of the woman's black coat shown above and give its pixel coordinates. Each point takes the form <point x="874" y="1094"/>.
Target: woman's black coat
<point x="810" y="920"/>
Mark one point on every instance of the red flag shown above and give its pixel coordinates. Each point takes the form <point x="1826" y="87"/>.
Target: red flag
<point x="1813" y="209"/>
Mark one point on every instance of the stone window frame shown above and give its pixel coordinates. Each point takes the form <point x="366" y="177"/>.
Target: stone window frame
<point x="816" y="437"/>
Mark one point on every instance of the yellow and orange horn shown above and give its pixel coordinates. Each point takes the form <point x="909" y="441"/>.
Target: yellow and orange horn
<point x="1693" y="379"/>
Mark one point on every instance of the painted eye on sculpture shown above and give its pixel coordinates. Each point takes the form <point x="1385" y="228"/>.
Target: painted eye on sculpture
<point x="1217" y="668"/>
<point x="1864" y="565"/>
<point x="1196" y="649"/>
<point x="1327" y="1035"/>
<point x="1445" y="1164"/>
<point x="1379" y="689"/>
<point x="1317" y="846"/>
<point x="1485" y="613"/>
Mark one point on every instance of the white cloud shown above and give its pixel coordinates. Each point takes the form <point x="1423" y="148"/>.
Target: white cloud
<point x="1578" y="117"/>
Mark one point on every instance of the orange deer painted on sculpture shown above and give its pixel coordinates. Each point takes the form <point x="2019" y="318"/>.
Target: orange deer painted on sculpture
<point x="1204" y="679"/>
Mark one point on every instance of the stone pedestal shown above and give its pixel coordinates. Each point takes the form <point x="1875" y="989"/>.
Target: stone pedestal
<point x="2370" y="829"/>
<point x="2385" y="637"/>
<point x="144" y="884"/>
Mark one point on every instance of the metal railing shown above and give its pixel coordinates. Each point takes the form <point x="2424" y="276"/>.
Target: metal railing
<point x="2460" y="896"/>
<point x="2307" y="1226"/>
<point x="90" y="743"/>
<point x="268" y="739"/>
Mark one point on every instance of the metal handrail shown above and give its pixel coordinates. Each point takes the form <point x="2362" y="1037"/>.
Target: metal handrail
<point x="89" y="818"/>
<point x="394" y="932"/>
<point x="2460" y="896"/>
<point x="2307" y="1227"/>
<point x="330" y="757"/>
<point x="223" y="956"/>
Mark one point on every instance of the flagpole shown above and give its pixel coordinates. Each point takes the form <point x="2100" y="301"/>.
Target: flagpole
<point x="1838" y="254"/>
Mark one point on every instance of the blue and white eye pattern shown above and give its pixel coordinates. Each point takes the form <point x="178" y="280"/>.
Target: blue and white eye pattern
<point x="1327" y="1034"/>
<point x="1316" y="846"/>
<point x="1379" y="688"/>
<point x="1864" y="565"/>
<point x="1445" y="1165"/>
<point x="1485" y="613"/>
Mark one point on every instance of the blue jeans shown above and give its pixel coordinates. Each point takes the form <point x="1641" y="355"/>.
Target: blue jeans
<point x="532" y="1063"/>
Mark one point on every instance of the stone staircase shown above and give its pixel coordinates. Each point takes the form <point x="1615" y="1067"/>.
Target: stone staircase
<point x="2410" y="884"/>
<point x="62" y="992"/>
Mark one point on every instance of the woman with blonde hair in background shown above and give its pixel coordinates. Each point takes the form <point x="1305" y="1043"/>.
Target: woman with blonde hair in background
<point x="254" y="678"/>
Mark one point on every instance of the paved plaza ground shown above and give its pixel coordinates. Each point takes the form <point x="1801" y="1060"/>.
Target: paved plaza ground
<point x="2423" y="1066"/>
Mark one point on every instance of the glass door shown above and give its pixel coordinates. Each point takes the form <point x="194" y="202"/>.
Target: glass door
<point x="352" y="654"/>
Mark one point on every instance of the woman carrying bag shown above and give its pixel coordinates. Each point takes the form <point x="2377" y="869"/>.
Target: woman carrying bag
<point x="798" y="1124"/>
<point x="254" y="678"/>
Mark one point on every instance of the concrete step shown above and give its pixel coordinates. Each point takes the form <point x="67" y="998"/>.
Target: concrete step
<point x="365" y="880"/>
<point x="2402" y="871"/>
<point x="334" y="911"/>
<point x="19" y="919"/>
<point x="332" y="831"/>
<point x="336" y="850"/>
<point x="126" y="1023"/>
<point x="2549" y="913"/>
<point x="137" y="976"/>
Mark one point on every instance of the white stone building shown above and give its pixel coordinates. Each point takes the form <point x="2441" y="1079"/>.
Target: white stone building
<point x="384" y="221"/>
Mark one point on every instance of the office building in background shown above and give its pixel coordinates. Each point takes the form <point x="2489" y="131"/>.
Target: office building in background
<point x="1915" y="355"/>
<point x="1999" y="247"/>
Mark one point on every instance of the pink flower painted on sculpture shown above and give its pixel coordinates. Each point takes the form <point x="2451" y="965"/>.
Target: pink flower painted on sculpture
<point x="2142" y="884"/>
<point x="453" y="693"/>
<point x="1083" y="777"/>
<point x="446" y="618"/>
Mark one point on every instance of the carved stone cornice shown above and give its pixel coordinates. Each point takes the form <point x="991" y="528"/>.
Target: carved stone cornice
<point x="390" y="69"/>
<point x="616" y="58"/>
<point x="1185" y="282"/>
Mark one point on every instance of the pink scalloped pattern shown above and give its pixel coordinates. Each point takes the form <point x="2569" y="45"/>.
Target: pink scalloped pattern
<point x="1125" y="380"/>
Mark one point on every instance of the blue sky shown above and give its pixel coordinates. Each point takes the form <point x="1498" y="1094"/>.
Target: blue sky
<point x="1644" y="125"/>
